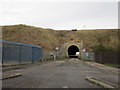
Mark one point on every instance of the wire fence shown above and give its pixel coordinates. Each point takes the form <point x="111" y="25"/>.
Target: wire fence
<point x="88" y="56"/>
<point x="107" y="57"/>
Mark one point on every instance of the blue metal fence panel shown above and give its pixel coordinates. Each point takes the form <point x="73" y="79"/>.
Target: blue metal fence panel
<point x="15" y="53"/>
<point x="37" y="54"/>
<point x="26" y="54"/>
<point x="11" y="54"/>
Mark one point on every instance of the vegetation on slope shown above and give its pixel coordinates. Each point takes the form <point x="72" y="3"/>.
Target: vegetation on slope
<point x="49" y="39"/>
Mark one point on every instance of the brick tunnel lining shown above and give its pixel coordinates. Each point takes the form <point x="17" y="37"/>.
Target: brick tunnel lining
<point x="72" y="51"/>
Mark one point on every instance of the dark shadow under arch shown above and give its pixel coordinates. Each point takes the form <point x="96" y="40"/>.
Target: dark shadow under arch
<point x="72" y="51"/>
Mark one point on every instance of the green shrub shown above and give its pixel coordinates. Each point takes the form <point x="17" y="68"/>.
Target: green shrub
<point x="100" y="47"/>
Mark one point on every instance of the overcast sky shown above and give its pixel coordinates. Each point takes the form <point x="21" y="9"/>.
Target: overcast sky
<point x="59" y="14"/>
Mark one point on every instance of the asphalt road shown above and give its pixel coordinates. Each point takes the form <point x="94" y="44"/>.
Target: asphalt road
<point x="58" y="74"/>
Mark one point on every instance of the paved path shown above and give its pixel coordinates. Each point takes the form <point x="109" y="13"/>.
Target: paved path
<point x="58" y="74"/>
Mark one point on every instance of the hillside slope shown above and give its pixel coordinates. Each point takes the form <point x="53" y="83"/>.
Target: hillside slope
<point x="49" y="39"/>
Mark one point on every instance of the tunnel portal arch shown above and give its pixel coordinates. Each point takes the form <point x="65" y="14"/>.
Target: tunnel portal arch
<point x="72" y="50"/>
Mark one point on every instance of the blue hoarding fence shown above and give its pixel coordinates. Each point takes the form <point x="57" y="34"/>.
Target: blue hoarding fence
<point x="16" y="53"/>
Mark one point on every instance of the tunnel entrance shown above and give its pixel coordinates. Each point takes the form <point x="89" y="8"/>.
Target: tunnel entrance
<point x="72" y="50"/>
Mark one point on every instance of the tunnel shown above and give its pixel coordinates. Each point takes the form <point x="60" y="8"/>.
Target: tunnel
<point x="72" y="51"/>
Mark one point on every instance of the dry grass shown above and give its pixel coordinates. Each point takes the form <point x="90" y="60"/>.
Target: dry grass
<point x="50" y="39"/>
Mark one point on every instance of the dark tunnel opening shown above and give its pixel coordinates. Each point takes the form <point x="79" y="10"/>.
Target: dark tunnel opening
<point x="72" y="51"/>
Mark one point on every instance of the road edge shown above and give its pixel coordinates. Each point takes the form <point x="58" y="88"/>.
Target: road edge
<point x="11" y="76"/>
<point x="102" y="83"/>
